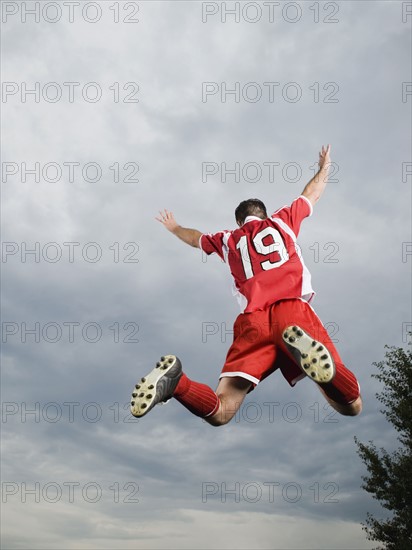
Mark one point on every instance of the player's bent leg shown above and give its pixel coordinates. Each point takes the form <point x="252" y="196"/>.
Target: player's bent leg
<point x="231" y="392"/>
<point x="322" y="364"/>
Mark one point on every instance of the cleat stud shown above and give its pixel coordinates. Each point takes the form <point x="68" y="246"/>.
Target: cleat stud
<point x="314" y="360"/>
<point x="313" y="343"/>
<point x="294" y="329"/>
<point x="141" y="394"/>
<point x="304" y="355"/>
<point x="150" y="387"/>
<point x="134" y="394"/>
<point x="320" y="348"/>
<point x="143" y="379"/>
<point x="327" y="366"/>
<point x="324" y="356"/>
<point x="158" y="365"/>
<point x="137" y="386"/>
<point x="164" y="367"/>
<point x="292" y="339"/>
<point x="312" y="374"/>
<point x="300" y="333"/>
<point x="162" y="358"/>
<point x="132" y="403"/>
<point x="144" y="405"/>
<point x="171" y="360"/>
<point x="149" y="396"/>
<point x="285" y="335"/>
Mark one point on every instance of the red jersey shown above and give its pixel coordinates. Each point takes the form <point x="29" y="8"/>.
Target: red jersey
<point x="264" y="258"/>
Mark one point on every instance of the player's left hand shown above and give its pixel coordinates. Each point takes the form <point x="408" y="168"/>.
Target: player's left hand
<point x="168" y="220"/>
<point x="324" y="157"/>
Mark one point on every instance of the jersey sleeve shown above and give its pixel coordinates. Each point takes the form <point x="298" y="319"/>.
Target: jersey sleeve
<point x="215" y="243"/>
<point x="294" y="214"/>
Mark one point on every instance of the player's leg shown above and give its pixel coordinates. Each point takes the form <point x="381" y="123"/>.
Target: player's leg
<point x="342" y="389"/>
<point x="168" y="380"/>
<point x="305" y="338"/>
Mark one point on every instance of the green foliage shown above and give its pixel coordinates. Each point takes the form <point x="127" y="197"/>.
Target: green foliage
<point x="389" y="479"/>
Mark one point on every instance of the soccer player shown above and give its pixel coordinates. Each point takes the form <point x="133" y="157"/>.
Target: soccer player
<point x="276" y="329"/>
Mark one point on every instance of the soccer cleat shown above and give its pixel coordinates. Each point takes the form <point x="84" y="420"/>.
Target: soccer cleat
<point x="157" y="386"/>
<point x="313" y="357"/>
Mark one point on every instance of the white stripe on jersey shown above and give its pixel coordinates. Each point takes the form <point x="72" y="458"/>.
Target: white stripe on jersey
<point x="225" y="248"/>
<point x="307" y="292"/>
<point x="309" y="203"/>
<point x="243" y="375"/>
<point x="241" y="300"/>
<point x="285" y="228"/>
<point x="287" y="206"/>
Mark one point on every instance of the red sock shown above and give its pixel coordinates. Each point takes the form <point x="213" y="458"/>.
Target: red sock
<point x="344" y="388"/>
<point x="199" y="399"/>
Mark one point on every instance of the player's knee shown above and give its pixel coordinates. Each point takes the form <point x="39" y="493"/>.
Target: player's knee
<point x="218" y="420"/>
<point x="356" y="407"/>
<point x="225" y="413"/>
<point x="353" y="409"/>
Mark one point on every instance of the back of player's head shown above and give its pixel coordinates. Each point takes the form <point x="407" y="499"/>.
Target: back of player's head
<point x="250" y="207"/>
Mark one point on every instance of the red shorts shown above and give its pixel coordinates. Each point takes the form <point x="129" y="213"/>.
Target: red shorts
<point x="258" y="348"/>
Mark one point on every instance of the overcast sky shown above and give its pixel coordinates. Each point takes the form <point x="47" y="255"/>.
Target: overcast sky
<point x="114" y="110"/>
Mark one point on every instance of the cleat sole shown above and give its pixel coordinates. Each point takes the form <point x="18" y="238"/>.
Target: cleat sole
<point x="312" y="356"/>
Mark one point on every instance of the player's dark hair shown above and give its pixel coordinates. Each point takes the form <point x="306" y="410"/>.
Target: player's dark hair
<point x="250" y="207"/>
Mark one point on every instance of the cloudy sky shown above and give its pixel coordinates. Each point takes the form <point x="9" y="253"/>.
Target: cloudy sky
<point x="114" y="110"/>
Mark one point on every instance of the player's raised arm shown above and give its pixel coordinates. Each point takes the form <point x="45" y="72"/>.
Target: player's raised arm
<point x="188" y="236"/>
<point x="317" y="184"/>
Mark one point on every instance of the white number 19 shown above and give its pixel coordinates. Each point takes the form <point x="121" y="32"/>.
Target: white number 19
<point x="276" y="245"/>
